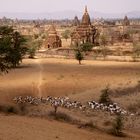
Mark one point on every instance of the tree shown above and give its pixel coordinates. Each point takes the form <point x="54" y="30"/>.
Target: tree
<point x="86" y="47"/>
<point x="33" y="47"/>
<point x="12" y="49"/>
<point x="80" y="49"/>
<point x="17" y="49"/>
<point x="79" y="56"/>
<point x="32" y="51"/>
<point x="103" y="43"/>
<point x="117" y="126"/>
<point x="104" y="98"/>
<point x="66" y="34"/>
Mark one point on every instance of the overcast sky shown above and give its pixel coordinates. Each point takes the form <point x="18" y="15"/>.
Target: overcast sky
<point x="38" y="6"/>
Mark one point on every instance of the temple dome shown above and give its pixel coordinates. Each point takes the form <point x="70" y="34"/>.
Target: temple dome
<point x="86" y="18"/>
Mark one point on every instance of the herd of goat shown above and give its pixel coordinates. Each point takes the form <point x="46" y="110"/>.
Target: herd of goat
<point x="65" y="102"/>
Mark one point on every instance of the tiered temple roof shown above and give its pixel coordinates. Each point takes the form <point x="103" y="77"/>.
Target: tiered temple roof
<point x="53" y="40"/>
<point x="85" y="31"/>
<point x="86" y="18"/>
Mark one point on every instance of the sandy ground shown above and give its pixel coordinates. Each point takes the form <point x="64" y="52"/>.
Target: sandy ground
<point x="59" y="77"/>
<point x="25" y="128"/>
<point x="65" y="77"/>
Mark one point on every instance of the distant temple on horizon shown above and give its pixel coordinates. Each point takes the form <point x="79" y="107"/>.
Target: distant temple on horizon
<point x="84" y="32"/>
<point x="76" y="21"/>
<point x="53" y="40"/>
<point x="126" y="21"/>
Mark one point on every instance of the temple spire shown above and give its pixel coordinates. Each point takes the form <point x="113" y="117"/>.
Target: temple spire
<point x="86" y="9"/>
<point x="86" y="17"/>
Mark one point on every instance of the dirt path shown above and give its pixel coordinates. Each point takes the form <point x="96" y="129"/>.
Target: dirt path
<point x="40" y="77"/>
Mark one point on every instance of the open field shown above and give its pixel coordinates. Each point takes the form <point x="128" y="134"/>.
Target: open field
<point x="24" y="128"/>
<point x="64" y="77"/>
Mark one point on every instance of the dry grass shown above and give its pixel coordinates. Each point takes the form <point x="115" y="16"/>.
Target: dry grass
<point x="21" y="109"/>
<point x="63" y="78"/>
<point x="135" y="107"/>
<point x="64" y="117"/>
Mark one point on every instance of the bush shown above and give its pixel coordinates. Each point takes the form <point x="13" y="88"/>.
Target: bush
<point x="86" y="47"/>
<point x="88" y="124"/>
<point x="66" y="34"/>
<point x="104" y="98"/>
<point x="107" y="123"/>
<point x="79" y="56"/>
<point x="8" y="109"/>
<point x="117" y="126"/>
<point x="21" y="109"/>
<point x="60" y="116"/>
<point x="32" y="51"/>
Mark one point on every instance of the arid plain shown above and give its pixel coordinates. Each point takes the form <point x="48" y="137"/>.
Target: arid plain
<point x="65" y="77"/>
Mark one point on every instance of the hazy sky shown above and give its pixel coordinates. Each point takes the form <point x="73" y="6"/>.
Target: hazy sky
<point x="38" y="6"/>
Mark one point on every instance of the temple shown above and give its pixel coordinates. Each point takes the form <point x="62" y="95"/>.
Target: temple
<point x="84" y="32"/>
<point x="126" y="21"/>
<point x="53" y="40"/>
<point x="76" y="21"/>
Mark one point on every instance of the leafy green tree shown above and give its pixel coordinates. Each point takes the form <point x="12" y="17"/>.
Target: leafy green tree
<point x="32" y="51"/>
<point x="66" y="34"/>
<point x="104" y="98"/>
<point x="33" y="46"/>
<point x="12" y="48"/>
<point x="79" y="55"/>
<point x="17" y="50"/>
<point x="86" y="47"/>
<point x="81" y="50"/>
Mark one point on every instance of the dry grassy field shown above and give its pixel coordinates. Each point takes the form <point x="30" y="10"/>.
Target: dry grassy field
<point x="64" y="77"/>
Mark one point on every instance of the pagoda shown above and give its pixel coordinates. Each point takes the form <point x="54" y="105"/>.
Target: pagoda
<point x="53" y="40"/>
<point x="126" y="21"/>
<point x="85" y="32"/>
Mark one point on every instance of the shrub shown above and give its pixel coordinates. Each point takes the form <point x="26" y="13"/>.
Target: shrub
<point x="86" y="47"/>
<point x="117" y="126"/>
<point x="22" y="108"/>
<point x="32" y="51"/>
<point x="8" y="109"/>
<point x="66" y="34"/>
<point x="60" y="116"/>
<point x="107" y="123"/>
<point x="79" y="56"/>
<point x="89" y="124"/>
<point x="104" y="98"/>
